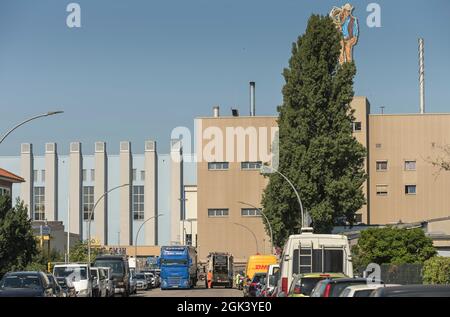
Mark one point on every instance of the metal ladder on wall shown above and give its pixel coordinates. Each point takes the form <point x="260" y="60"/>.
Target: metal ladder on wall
<point x="305" y="255"/>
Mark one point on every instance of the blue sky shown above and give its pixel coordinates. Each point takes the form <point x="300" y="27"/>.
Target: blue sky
<point x="138" y="68"/>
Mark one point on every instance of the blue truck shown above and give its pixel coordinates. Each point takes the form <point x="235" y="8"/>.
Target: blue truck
<point x="178" y="266"/>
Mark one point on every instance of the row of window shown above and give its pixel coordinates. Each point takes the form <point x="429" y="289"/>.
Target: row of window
<point x="36" y="176"/>
<point x="382" y="166"/>
<point x="245" y="166"/>
<point x="382" y="190"/>
<point x="224" y="212"/>
<point x="87" y="202"/>
<point x="84" y="175"/>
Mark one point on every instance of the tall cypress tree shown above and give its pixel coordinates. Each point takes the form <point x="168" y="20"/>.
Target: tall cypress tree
<point x="317" y="152"/>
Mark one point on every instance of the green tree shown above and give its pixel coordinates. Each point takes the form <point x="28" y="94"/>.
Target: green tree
<point x="17" y="242"/>
<point x="79" y="252"/>
<point x="437" y="271"/>
<point x="392" y="246"/>
<point x="318" y="152"/>
<point x="41" y="259"/>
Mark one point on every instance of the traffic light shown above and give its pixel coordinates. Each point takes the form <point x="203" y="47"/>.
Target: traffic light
<point x="49" y="267"/>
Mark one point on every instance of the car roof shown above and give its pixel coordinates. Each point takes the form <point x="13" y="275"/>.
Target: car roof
<point x="324" y="275"/>
<point x="347" y="280"/>
<point x="364" y="287"/>
<point x="24" y="273"/>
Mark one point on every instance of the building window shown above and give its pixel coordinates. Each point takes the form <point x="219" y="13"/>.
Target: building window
<point x="218" y="166"/>
<point x="250" y="212"/>
<point x="43" y="176"/>
<point x="382" y="190"/>
<point x="357" y="126"/>
<point x="88" y="202"/>
<point x="142" y="175"/>
<point x="133" y="172"/>
<point x="84" y="175"/>
<point x="4" y="191"/>
<point x="382" y="166"/>
<point x="251" y="166"/>
<point x="138" y="202"/>
<point x="188" y="239"/>
<point x="410" y="165"/>
<point x="358" y="218"/>
<point x="410" y="189"/>
<point x="39" y="203"/>
<point x="35" y="176"/>
<point x="217" y="212"/>
<point x="93" y="175"/>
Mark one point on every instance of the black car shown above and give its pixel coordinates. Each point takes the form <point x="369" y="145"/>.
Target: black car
<point x="413" y="291"/>
<point x="335" y="286"/>
<point x="57" y="290"/>
<point x="120" y="272"/>
<point x="26" y="284"/>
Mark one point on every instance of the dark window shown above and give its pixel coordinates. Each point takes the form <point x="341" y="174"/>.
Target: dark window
<point x="252" y="212"/>
<point x="357" y="126"/>
<point x="333" y="261"/>
<point x="251" y="165"/>
<point x="217" y="212"/>
<point x="410" y="189"/>
<point x="218" y="166"/>
<point x="358" y="218"/>
<point x="382" y="166"/>
<point x="138" y="202"/>
<point x="88" y="202"/>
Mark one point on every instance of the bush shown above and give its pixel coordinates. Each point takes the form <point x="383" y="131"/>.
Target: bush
<point x="437" y="271"/>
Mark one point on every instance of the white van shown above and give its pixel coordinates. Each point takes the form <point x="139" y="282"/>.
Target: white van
<point x="314" y="253"/>
<point x="80" y="276"/>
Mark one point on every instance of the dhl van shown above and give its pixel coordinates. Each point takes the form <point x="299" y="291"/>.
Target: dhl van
<point x="259" y="264"/>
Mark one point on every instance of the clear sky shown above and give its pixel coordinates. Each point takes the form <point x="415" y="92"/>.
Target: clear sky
<point x="138" y="68"/>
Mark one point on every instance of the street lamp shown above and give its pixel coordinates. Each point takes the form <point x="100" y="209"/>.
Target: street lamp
<point x="265" y="217"/>
<point x="137" y="235"/>
<point x="269" y="170"/>
<point x="90" y="218"/>
<point x="254" y="236"/>
<point x="47" y="114"/>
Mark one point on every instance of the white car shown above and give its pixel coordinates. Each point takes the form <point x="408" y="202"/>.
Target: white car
<point x="363" y="290"/>
<point x="79" y="276"/>
<point x="100" y="282"/>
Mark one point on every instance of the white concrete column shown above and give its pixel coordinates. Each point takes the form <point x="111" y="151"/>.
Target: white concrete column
<point x="75" y="188"/>
<point x="26" y="171"/>
<point x="176" y="190"/>
<point x="100" y="187"/>
<point x="125" y="194"/>
<point x="51" y="182"/>
<point x="151" y="193"/>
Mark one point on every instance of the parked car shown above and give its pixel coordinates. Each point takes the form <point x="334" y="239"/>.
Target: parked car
<point x="150" y="279"/>
<point x="359" y="290"/>
<point x="133" y="283"/>
<point x="108" y="281"/>
<point x="57" y="290"/>
<point x="334" y="287"/>
<point x="303" y="284"/>
<point x="79" y="275"/>
<point x="256" y="284"/>
<point x="413" y="291"/>
<point x="141" y="281"/>
<point x="67" y="286"/>
<point x="120" y="272"/>
<point x="99" y="282"/>
<point x="26" y="284"/>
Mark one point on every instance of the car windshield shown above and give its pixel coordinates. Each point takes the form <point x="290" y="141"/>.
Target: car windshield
<point x="140" y="276"/>
<point x="116" y="266"/>
<point x="79" y="273"/>
<point x="21" y="281"/>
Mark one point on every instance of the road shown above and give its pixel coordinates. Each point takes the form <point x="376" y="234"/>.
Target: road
<point x="196" y="292"/>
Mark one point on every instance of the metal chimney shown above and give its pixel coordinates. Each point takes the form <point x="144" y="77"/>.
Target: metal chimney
<point x="216" y="113"/>
<point x="252" y="99"/>
<point x="422" y="75"/>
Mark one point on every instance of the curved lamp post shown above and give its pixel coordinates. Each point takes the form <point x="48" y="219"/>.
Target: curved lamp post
<point x="265" y="217"/>
<point x="137" y="235"/>
<point x="90" y="218"/>
<point x="269" y="170"/>
<point x="254" y="236"/>
<point x="47" y="114"/>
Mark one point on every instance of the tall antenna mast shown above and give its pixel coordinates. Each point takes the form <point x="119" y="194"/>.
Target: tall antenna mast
<point x="422" y="75"/>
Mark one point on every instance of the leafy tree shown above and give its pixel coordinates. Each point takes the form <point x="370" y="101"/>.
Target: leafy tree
<point x="318" y="152"/>
<point x="79" y="252"/>
<point x="41" y="259"/>
<point x="437" y="271"/>
<point x="392" y="246"/>
<point x="17" y="242"/>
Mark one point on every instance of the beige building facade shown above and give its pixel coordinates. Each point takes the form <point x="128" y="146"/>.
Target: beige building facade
<point x="403" y="185"/>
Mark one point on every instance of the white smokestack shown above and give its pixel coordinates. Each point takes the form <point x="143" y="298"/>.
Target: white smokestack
<point x="422" y="75"/>
<point x="216" y="113"/>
